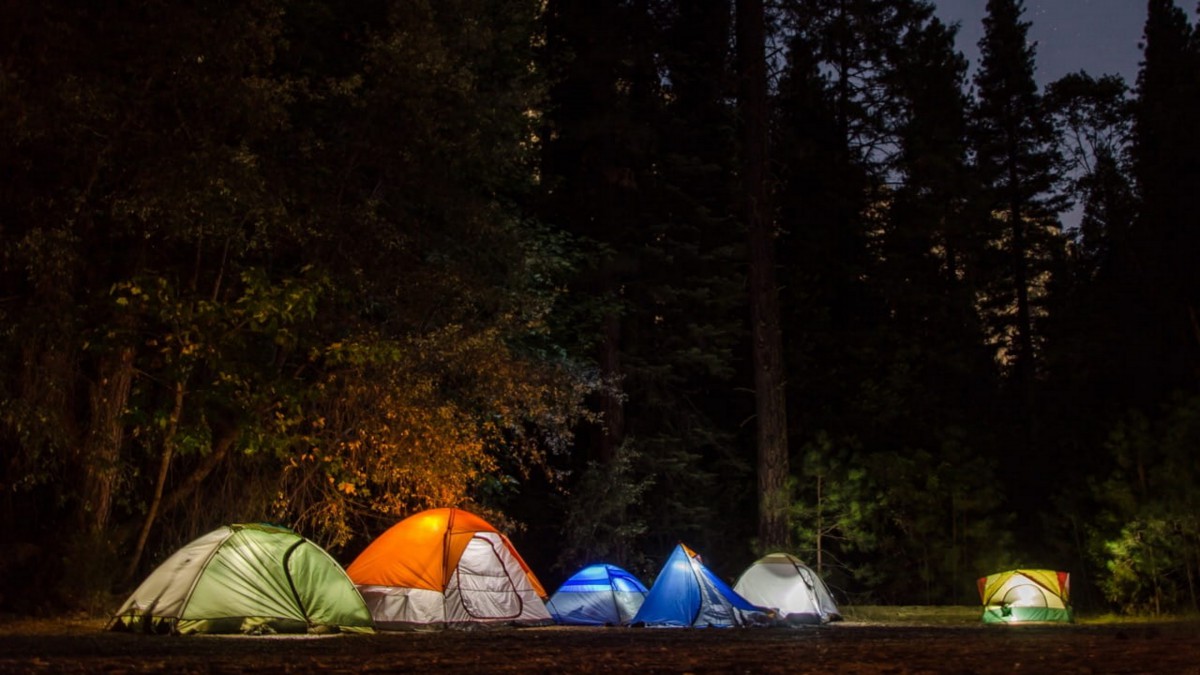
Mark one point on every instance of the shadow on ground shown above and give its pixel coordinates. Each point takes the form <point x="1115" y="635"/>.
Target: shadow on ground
<point x="893" y="640"/>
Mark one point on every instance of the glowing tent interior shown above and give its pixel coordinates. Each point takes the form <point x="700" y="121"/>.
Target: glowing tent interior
<point x="597" y="595"/>
<point x="687" y="594"/>
<point x="1026" y="595"/>
<point x="447" y="568"/>
<point x="782" y="582"/>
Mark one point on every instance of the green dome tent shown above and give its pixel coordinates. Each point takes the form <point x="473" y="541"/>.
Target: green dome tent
<point x="246" y="579"/>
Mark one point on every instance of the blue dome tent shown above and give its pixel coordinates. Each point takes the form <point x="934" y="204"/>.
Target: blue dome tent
<point x="597" y="595"/>
<point x="688" y="594"/>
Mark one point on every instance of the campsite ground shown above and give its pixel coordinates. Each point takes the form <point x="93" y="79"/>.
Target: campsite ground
<point x="873" y="641"/>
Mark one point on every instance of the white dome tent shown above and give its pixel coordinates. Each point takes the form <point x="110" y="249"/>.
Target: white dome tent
<point x="782" y="582"/>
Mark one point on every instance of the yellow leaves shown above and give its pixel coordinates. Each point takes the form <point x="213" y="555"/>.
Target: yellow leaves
<point x="421" y="421"/>
<point x="397" y="452"/>
<point x="126" y="292"/>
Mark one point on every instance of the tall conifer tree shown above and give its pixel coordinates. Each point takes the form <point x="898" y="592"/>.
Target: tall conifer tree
<point x="637" y="164"/>
<point x="1017" y="162"/>
<point x="774" y="531"/>
<point x="1167" y="169"/>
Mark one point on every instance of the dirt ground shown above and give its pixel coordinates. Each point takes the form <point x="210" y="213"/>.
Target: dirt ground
<point x="902" y="645"/>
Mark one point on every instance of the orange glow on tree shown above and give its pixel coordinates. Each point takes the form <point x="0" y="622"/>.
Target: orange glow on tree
<point x="402" y="427"/>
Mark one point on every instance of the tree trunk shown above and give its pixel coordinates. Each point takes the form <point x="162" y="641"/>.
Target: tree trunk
<point x="1024" y="320"/>
<point x="219" y="452"/>
<point x="820" y="527"/>
<point x="102" y="445"/>
<point x="773" y="502"/>
<point x="612" y="403"/>
<point x="164" y="468"/>
<point x="1187" y="565"/>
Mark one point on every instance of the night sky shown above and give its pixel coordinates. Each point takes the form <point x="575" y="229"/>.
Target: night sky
<point x="1097" y="36"/>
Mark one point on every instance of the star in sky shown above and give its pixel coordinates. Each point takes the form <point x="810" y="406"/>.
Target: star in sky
<point x="1097" y="36"/>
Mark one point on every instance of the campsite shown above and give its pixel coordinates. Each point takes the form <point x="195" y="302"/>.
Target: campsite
<point x="447" y="593"/>
<point x="598" y="335"/>
<point x="871" y="640"/>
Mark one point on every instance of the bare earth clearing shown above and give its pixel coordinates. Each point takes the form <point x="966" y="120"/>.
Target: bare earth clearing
<point x="891" y="641"/>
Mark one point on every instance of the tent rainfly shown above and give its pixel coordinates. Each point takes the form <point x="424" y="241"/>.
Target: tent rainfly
<point x="782" y="582"/>
<point x="688" y="594"/>
<point x="447" y="568"/>
<point x="597" y="595"/>
<point x="1026" y="595"/>
<point x="253" y="579"/>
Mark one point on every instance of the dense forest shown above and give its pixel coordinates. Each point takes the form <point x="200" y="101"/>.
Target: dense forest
<point x="611" y="273"/>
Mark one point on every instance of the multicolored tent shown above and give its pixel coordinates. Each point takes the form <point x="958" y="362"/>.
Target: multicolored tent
<point x="597" y="595"/>
<point x="688" y="594"/>
<point x="1026" y="595"/>
<point x="782" y="582"/>
<point x="447" y="568"/>
<point x="246" y="579"/>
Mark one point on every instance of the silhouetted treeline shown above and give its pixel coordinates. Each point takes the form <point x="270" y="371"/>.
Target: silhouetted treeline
<point x="616" y="273"/>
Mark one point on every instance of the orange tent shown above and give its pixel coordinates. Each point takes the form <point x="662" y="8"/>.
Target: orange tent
<point x="447" y="567"/>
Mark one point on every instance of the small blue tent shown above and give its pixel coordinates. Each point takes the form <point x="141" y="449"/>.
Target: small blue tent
<point x="597" y="595"/>
<point x="687" y="594"/>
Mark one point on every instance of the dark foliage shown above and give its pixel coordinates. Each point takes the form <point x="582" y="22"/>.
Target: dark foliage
<point x="327" y="264"/>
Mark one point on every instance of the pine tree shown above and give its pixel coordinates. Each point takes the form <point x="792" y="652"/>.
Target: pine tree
<point x="1166" y="241"/>
<point x="769" y="377"/>
<point x="638" y="145"/>
<point x="1017" y="163"/>
<point x="926" y="250"/>
<point x="884" y="343"/>
<point x="1094" y="319"/>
